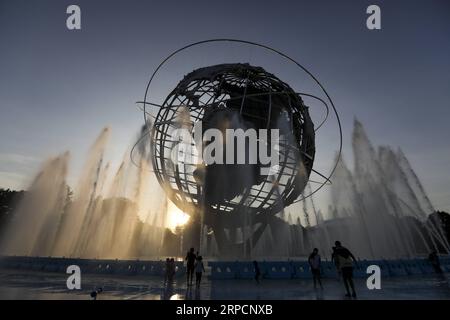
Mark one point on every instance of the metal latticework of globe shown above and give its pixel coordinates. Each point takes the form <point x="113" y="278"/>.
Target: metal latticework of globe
<point x="232" y="96"/>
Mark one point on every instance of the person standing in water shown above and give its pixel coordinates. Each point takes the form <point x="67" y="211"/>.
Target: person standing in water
<point x="172" y="270"/>
<point x="190" y="264"/>
<point x="344" y="260"/>
<point x="314" y="262"/>
<point x="199" y="269"/>
<point x="167" y="270"/>
<point x="257" y="271"/>
<point x="335" y="262"/>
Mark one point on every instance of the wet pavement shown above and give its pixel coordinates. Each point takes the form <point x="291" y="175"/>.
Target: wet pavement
<point x="38" y="285"/>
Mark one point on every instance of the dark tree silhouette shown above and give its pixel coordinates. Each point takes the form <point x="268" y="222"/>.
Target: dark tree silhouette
<point x="441" y="220"/>
<point x="8" y="202"/>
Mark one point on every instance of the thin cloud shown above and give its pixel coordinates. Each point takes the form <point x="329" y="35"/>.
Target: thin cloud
<point x="16" y="170"/>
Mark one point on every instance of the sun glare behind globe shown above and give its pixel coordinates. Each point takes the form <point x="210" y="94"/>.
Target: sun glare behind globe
<point x="175" y="217"/>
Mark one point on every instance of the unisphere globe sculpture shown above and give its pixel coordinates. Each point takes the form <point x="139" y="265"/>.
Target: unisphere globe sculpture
<point x="226" y="197"/>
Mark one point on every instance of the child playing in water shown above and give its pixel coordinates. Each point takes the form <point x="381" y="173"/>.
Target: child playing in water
<point x="199" y="269"/>
<point x="314" y="262"/>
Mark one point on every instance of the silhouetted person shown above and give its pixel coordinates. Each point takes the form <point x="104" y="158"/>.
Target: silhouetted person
<point x="344" y="259"/>
<point x="199" y="269"/>
<point x="335" y="262"/>
<point x="167" y="270"/>
<point x="257" y="271"/>
<point x="190" y="264"/>
<point x="314" y="262"/>
<point x="171" y="269"/>
<point x="434" y="260"/>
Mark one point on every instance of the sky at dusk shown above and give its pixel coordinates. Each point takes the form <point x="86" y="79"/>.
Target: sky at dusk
<point x="59" y="88"/>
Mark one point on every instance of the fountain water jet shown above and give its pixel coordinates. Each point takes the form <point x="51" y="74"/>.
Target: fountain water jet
<point x="380" y="209"/>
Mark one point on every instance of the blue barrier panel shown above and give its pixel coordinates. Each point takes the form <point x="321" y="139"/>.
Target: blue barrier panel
<point x="412" y="266"/>
<point x="277" y="270"/>
<point x="425" y="266"/>
<point x="329" y="270"/>
<point x="131" y="268"/>
<point x="126" y="267"/>
<point x="109" y="267"/>
<point x="154" y="268"/>
<point x="159" y="269"/>
<point x="445" y="268"/>
<point x="301" y="270"/>
<point x="246" y="270"/>
<point x="7" y="263"/>
<point x="95" y="267"/>
<point x="51" y="267"/>
<point x="223" y="270"/>
<point x="36" y="266"/>
<point x="445" y="263"/>
<point x="396" y="268"/>
<point x="384" y="268"/>
<point x="62" y="268"/>
<point x="360" y="268"/>
<point x="148" y="268"/>
<point x="142" y="268"/>
<point x="180" y="269"/>
<point x="27" y="266"/>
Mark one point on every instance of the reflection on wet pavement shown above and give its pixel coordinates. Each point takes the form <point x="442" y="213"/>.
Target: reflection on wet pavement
<point x="39" y="285"/>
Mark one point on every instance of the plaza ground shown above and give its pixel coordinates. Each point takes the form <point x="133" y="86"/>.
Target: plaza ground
<point x="38" y="285"/>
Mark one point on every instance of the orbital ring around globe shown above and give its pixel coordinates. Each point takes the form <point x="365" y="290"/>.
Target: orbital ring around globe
<point x="177" y="200"/>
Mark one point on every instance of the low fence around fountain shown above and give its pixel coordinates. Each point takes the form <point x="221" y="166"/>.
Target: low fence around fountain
<point x="301" y="269"/>
<point x="220" y="269"/>
<point x="90" y="266"/>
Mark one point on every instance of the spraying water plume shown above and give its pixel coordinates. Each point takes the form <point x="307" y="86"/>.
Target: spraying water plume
<point x="379" y="208"/>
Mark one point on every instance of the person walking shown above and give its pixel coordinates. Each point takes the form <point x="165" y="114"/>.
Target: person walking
<point x="199" y="269"/>
<point x="167" y="270"/>
<point x="314" y="262"/>
<point x="190" y="264"/>
<point x="335" y="262"/>
<point x="344" y="260"/>
<point x="257" y="271"/>
<point x="172" y="269"/>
